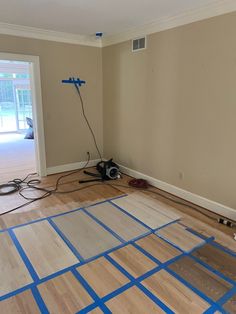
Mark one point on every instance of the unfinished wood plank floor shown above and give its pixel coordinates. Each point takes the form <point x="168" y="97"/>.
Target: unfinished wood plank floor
<point x="179" y="236"/>
<point x="170" y="291"/>
<point x="158" y="206"/>
<point x="87" y="236"/>
<point x="55" y="204"/>
<point x="64" y="294"/>
<point x="158" y="248"/>
<point x="47" y="252"/>
<point x="210" y="284"/>
<point x="126" y="227"/>
<point x="133" y="301"/>
<point x="102" y="276"/>
<point x="13" y="272"/>
<point x="23" y="303"/>
<point x="133" y="260"/>
<point x="144" y="213"/>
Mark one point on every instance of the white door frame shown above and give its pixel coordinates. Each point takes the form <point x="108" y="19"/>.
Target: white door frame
<point x="37" y="108"/>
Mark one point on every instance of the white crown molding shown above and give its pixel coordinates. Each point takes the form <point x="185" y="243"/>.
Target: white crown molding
<point x="204" y="12"/>
<point x="213" y="206"/>
<point x="38" y="33"/>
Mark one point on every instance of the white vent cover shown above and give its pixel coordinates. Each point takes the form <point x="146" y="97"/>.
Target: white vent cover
<point x="139" y="44"/>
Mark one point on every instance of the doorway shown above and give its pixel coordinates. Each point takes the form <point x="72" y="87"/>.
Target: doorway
<point x="22" y="149"/>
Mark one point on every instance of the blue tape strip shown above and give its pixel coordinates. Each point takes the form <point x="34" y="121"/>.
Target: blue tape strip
<point x="179" y="248"/>
<point x="100" y="302"/>
<point x="136" y="281"/>
<point x="90" y="291"/>
<point x="57" y="215"/>
<point x="104" y="226"/>
<point x="108" y="200"/>
<point x="64" y="238"/>
<point x="155" y="299"/>
<point x="227" y="296"/>
<point x="24" y="257"/>
<point x="170" y="223"/>
<point x="15" y="292"/>
<point x="73" y="80"/>
<point x="191" y="287"/>
<point x="199" y="261"/>
<point x="213" y="309"/>
<point x="224" y="249"/>
<point x="128" y="214"/>
<point x="39" y="300"/>
<point x="22" y="225"/>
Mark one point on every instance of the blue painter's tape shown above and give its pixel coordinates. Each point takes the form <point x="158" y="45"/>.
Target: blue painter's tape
<point x="57" y="215"/>
<point x="100" y="301"/>
<point x="136" y="281"/>
<point x="86" y="286"/>
<point x="15" y="292"/>
<point x="166" y="225"/>
<point x="119" y="267"/>
<point x="24" y="257"/>
<point x="227" y="296"/>
<point x="191" y="287"/>
<point x="104" y="226"/>
<point x="64" y="238"/>
<point x="220" y="247"/>
<point x="169" y="242"/>
<point x="73" y="80"/>
<point x="42" y="306"/>
<point x="128" y="214"/>
<point x="177" y="247"/>
<point x="206" y="239"/>
<point x="22" y="225"/>
<point x="154" y="259"/>
<point x="90" y="291"/>
<point x="114" y="249"/>
<point x="107" y="200"/>
<point x="198" y="260"/>
<point x="213" y="309"/>
<point x="155" y="299"/>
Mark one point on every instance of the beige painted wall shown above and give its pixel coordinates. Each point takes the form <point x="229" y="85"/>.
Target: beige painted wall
<point x="66" y="135"/>
<point x="171" y="108"/>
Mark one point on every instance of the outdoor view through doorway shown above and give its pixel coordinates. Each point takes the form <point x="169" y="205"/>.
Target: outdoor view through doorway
<point x="17" y="150"/>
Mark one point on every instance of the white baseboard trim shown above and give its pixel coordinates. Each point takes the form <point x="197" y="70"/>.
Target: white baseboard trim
<point x="186" y="195"/>
<point x="71" y="167"/>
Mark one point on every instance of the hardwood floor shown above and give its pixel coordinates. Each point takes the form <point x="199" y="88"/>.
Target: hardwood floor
<point x="113" y="270"/>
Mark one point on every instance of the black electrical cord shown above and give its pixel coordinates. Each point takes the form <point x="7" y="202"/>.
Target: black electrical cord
<point x="87" y="121"/>
<point x="22" y="185"/>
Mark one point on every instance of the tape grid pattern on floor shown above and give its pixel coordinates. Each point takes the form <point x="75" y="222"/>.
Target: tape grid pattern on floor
<point x="99" y="302"/>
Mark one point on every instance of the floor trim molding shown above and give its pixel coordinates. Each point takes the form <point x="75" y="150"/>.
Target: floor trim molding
<point x="186" y="195"/>
<point x="71" y="167"/>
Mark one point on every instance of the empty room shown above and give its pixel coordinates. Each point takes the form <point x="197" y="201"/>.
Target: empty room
<point x="117" y="156"/>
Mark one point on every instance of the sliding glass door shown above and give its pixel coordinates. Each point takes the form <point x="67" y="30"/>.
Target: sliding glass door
<point x="15" y="96"/>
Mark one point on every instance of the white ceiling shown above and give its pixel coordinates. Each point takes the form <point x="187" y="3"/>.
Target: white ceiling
<point x="89" y="16"/>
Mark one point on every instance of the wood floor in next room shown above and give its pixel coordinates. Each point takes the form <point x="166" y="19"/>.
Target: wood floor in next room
<point x="110" y="249"/>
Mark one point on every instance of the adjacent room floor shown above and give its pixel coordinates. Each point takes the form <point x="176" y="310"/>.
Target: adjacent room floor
<point x="17" y="156"/>
<point x="109" y="249"/>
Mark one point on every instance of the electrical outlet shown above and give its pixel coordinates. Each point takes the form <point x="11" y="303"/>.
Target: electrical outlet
<point x="181" y="175"/>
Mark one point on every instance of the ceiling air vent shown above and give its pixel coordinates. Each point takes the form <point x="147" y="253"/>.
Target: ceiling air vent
<point x="139" y="44"/>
